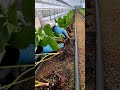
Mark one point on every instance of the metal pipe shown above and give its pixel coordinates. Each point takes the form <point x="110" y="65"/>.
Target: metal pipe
<point x="64" y="2"/>
<point x="99" y="62"/>
<point x="77" y="80"/>
<point x="48" y="3"/>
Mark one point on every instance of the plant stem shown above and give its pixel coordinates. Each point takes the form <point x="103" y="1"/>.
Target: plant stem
<point x="17" y="82"/>
<point x="45" y="54"/>
<point x="17" y="66"/>
<point x="44" y="79"/>
<point x="43" y="59"/>
<point x="36" y="63"/>
<point x="39" y="84"/>
<point x="19" y="78"/>
<point x="47" y="58"/>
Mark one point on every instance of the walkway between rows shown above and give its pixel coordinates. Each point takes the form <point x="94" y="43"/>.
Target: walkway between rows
<point x="80" y="27"/>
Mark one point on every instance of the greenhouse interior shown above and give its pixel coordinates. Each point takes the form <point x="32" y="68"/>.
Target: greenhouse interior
<point x="42" y="44"/>
<point x="59" y="45"/>
<point x="62" y="62"/>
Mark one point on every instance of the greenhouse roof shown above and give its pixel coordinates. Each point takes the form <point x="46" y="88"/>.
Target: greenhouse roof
<point x="62" y="2"/>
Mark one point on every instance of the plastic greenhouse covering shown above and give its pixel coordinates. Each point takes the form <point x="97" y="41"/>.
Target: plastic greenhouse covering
<point x="51" y="9"/>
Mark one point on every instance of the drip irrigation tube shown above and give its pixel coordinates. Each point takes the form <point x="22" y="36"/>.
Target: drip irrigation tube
<point x="77" y="80"/>
<point x="99" y="62"/>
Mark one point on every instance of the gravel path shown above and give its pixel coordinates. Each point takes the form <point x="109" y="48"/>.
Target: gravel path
<point x="80" y="26"/>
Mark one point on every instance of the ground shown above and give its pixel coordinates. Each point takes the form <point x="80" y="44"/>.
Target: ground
<point x="110" y="27"/>
<point x="80" y="26"/>
<point x="60" y="69"/>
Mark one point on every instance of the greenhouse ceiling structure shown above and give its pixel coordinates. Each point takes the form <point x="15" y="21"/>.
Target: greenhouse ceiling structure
<point x="68" y="16"/>
<point x="67" y="2"/>
<point x="51" y="9"/>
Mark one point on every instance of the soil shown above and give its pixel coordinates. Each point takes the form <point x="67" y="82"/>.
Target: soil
<point x="110" y="27"/>
<point x="90" y="39"/>
<point x="60" y="69"/>
<point x="14" y="73"/>
<point x="80" y="27"/>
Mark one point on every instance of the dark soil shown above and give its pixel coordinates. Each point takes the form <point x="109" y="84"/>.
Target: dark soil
<point x="90" y="39"/>
<point x="29" y="84"/>
<point x="60" y="69"/>
<point x="110" y="27"/>
<point x="13" y="74"/>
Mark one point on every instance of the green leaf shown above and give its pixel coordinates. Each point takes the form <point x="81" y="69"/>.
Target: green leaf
<point x="53" y="44"/>
<point x="60" y="22"/>
<point x="40" y="31"/>
<point x="12" y="14"/>
<point x="36" y="41"/>
<point x="48" y="30"/>
<point x="2" y="21"/>
<point x="44" y="42"/>
<point x="56" y="20"/>
<point x="60" y="36"/>
<point x="23" y="38"/>
<point x="11" y="28"/>
<point x="4" y="37"/>
<point x="28" y="10"/>
<point x="2" y="46"/>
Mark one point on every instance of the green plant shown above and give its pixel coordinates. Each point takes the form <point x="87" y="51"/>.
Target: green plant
<point x="12" y="30"/>
<point x="46" y="37"/>
<point x="66" y="21"/>
<point x="46" y="57"/>
<point x="16" y="29"/>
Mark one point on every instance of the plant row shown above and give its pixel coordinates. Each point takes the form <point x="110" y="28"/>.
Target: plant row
<point x="46" y="36"/>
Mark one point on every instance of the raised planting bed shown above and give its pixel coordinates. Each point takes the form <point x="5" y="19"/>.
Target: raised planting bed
<point x="59" y="71"/>
<point x="90" y="45"/>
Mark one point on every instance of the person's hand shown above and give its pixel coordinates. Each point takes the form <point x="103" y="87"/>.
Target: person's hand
<point x="61" y="31"/>
<point x="27" y="55"/>
<point x="48" y="49"/>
